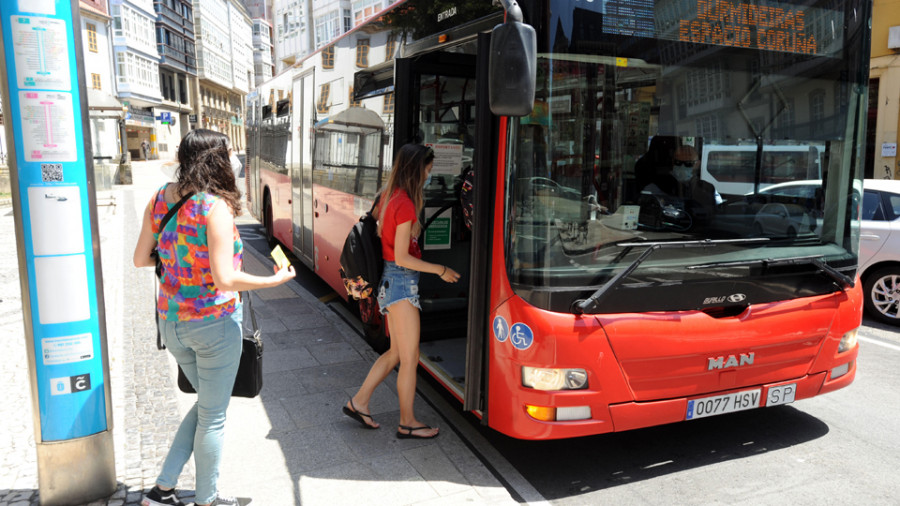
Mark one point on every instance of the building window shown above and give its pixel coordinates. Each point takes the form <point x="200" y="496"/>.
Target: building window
<point x="363" y="9"/>
<point x="351" y="102"/>
<point x="328" y="28"/>
<point x="348" y="20"/>
<point x="817" y="105"/>
<point x="389" y="49"/>
<point x="388" y="104"/>
<point x="91" y="37"/>
<point x="362" y="53"/>
<point x="95" y="81"/>
<point x="322" y="104"/>
<point x="328" y="57"/>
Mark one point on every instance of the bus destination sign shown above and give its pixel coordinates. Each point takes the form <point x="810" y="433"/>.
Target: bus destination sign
<point x="752" y="24"/>
<point x="740" y="24"/>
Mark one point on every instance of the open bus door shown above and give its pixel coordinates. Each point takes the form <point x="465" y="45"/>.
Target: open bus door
<point x="441" y="101"/>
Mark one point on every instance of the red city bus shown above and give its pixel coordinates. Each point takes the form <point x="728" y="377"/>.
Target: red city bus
<point x="606" y="285"/>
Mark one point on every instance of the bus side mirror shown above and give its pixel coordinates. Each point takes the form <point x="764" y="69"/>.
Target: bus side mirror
<point x="513" y="69"/>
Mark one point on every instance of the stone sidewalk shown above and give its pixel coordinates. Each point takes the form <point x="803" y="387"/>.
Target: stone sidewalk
<point x="289" y="446"/>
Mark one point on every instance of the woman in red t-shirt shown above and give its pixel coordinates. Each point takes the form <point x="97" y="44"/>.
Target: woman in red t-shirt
<point x="402" y="201"/>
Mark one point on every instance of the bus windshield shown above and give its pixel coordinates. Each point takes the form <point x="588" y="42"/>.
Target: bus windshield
<point x="686" y="122"/>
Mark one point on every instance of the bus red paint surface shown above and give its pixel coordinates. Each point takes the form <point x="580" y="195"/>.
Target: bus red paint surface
<point x="610" y="281"/>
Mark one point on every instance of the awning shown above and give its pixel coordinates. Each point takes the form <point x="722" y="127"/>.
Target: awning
<point x="357" y="120"/>
<point x="99" y="100"/>
<point x="374" y="81"/>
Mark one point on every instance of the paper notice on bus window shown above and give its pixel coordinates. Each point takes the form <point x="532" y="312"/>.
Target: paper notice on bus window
<point x="280" y="259"/>
<point x="447" y="158"/>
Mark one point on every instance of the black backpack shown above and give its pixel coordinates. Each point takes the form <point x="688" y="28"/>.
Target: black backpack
<point x="361" y="260"/>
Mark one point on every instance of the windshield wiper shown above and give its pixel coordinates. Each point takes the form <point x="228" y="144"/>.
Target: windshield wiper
<point x="842" y="280"/>
<point x="580" y="306"/>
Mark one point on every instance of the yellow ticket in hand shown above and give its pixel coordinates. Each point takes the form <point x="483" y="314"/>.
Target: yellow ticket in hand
<point x="280" y="259"/>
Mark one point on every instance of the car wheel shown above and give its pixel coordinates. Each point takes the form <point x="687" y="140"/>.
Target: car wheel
<point x="882" y="295"/>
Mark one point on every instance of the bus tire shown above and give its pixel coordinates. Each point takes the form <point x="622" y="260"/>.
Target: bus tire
<point x="269" y="221"/>
<point x="881" y="295"/>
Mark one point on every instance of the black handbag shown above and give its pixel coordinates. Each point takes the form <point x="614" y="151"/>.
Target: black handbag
<point x="249" y="379"/>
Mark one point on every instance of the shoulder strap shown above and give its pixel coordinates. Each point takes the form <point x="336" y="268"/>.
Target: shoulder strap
<point x="172" y="210"/>
<point x="246" y="298"/>
<point x="374" y="205"/>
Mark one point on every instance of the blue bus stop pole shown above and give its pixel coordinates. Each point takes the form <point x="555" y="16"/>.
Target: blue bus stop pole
<point x="58" y="247"/>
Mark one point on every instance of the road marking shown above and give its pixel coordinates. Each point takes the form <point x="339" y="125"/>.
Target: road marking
<point x="879" y="343"/>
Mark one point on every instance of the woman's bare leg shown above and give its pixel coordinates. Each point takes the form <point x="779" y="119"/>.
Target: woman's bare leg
<point x="403" y="319"/>
<point x="379" y="371"/>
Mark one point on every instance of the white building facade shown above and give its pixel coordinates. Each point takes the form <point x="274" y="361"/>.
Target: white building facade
<point x="104" y="110"/>
<point x="263" y="63"/>
<point x="224" y="44"/>
<point x="291" y="35"/>
<point x="137" y="70"/>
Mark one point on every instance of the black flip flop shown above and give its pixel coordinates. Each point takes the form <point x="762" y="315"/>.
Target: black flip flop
<point x="358" y="415"/>
<point x="409" y="432"/>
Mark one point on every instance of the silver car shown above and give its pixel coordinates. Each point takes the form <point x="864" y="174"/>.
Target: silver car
<point x="879" y="249"/>
<point x="879" y="245"/>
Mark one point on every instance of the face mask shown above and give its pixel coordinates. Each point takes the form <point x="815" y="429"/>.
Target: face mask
<point x="427" y="180"/>
<point x="683" y="174"/>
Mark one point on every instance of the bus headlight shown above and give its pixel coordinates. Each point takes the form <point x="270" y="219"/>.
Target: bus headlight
<point x="848" y="341"/>
<point x="554" y="379"/>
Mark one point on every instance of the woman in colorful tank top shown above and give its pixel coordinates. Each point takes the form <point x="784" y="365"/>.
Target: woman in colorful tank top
<point x="199" y="307"/>
<point x="401" y="202"/>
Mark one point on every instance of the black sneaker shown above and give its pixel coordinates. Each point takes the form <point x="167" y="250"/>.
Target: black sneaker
<point x="157" y="497"/>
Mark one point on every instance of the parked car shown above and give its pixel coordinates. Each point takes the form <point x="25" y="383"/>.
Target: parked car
<point x="782" y="220"/>
<point x="879" y="249"/>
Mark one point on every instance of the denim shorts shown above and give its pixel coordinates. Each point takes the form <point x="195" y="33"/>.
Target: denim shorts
<point x="398" y="283"/>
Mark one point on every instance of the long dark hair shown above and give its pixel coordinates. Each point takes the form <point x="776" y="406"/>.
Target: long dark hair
<point x="205" y="167"/>
<point x="408" y="174"/>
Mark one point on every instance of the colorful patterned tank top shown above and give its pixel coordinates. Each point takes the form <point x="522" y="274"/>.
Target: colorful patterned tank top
<point x="187" y="291"/>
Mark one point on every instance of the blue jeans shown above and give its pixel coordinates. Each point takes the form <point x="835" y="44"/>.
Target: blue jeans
<point x="208" y="352"/>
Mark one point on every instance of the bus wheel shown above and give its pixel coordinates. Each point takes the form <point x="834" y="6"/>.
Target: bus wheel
<point x="881" y="293"/>
<point x="269" y="222"/>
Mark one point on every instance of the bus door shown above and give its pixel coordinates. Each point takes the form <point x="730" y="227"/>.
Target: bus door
<point x="302" y="120"/>
<point x="437" y="105"/>
<point x="251" y="161"/>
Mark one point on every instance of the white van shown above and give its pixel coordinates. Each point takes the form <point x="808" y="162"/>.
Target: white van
<point x="732" y="169"/>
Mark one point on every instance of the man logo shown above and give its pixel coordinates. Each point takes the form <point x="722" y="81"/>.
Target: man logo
<point x="737" y="297"/>
<point x="730" y="361"/>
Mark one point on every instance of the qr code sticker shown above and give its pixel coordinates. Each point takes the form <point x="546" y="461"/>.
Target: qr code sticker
<point x="51" y="172"/>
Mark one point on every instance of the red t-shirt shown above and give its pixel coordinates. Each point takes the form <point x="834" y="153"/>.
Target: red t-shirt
<point x="400" y="209"/>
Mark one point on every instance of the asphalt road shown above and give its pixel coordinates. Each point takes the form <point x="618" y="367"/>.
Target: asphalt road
<point x="840" y="448"/>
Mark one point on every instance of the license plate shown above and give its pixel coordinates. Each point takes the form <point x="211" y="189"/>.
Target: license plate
<point x="782" y="394"/>
<point x="721" y="404"/>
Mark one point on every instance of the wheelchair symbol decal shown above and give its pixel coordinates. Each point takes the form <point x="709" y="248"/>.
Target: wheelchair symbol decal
<point x="501" y="328"/>
<point x="521" y="336"/>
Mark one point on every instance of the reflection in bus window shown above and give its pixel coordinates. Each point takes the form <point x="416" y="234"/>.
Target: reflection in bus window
<point x="348" y="152"/>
